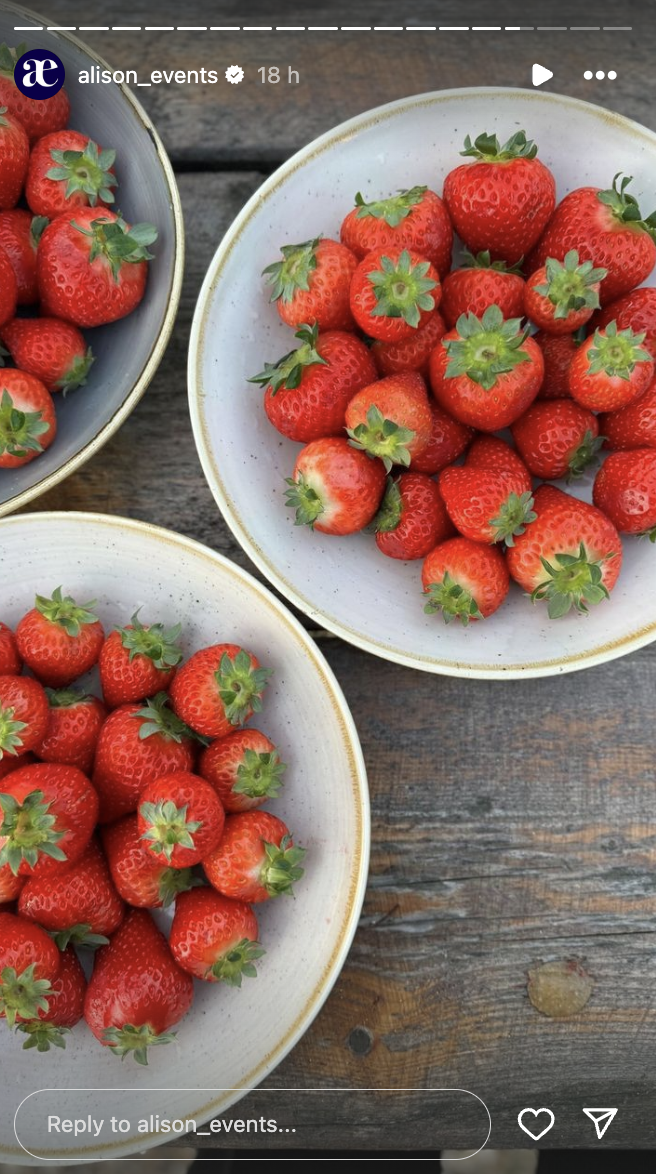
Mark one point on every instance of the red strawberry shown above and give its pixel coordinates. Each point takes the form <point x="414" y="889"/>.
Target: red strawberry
<point x="311" y="284"/>
<point x="394" y="293"/>
<point x="633" y="426"/>
<point x="481" y="282"/>
<point x="74" y="724"/>
<point x="501" y="202"/>
<point x="27" y="418"/>
<point x="214" y="938"/>
<point x="8" y="289"/>
<point x="411" y="354"/>
<point x="391" y="419"/>
<point x="48" y="816"/>
<point x="138" y="661"/>
<point x="486" y="372"/>
<point x="180" y="818"/>
<point x="571" y="555"/>
<point x="491" y="452"/>
<point x="141" y="878"/>
<point x="20" y="233"/>
<point x="557" y="438"/>
<point x="59" y="639"/>
<point x="487" y="505"/>
<point x="53" y="351"/>
<point x="10" y="885"/>
<point x="68" y="171"/>
<point x="563" y="295"/>
<point x="636" y="310"/>
<point x="29" y="965"/>
<point x="10" y="661"/>
<point x="65" y="1007"/>
<point x="558" y="350"/>
<point x="415" y="219"/>
<point x="14" y="158"/>
<point x="308" y="390"/>
<point x="11" y="762"/>
<point x="137" y="990"/>
<point x="605" y="227"/>
<point x="92" y="267"/>
<point x="244" y="768"/>
<point x="464" y="579"/>
<point x="218" y="688"/>
<point x="256" y="858"/>
<point x="23" y="715"/>
<point x="137" y="744"/>
<point x="83" y="907"/>
<point x="625" y="489"/>
<point x="448" y="440"/>
<point x="610" y="370"/>
<point x="412" y="518"/>
<point x="39" y="116"/>
<point x="335" y="489"/>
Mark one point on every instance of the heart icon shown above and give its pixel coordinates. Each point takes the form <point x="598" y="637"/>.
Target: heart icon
<point x="536" y="1113"/>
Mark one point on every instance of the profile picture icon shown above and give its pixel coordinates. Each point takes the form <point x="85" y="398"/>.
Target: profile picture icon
<point x="39" y="73"/>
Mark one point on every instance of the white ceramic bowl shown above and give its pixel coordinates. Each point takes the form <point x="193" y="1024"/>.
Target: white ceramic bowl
<point x="128" y="352"/>
<point x="346" y="584"/>
<point x="231" y="1038"/>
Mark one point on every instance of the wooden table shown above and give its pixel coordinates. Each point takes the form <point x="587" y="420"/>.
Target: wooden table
<point x="513" y="822"/>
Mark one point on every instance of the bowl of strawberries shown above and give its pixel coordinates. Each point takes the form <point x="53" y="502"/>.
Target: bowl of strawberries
<point x="177" y="762"/>
<point x="91" y="259"/>
<point x="430" y="420"/>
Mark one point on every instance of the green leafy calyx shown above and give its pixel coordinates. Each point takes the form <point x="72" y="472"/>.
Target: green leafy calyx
<point x="9" y="56"/>
<point x="65" y="612"/>
<point x="453" y="600"/>
<point x="29" y="830"/>
<point x="625" y="207"/>
<point x="281" y="867"/>
<point x="87" y="171"/>
<point x="118" y="244"/>
<point x="157" y="717"/>
<point x="288" y="371"/>
<point x="484" y="261"/>
<point x="155" y="642"/>
<point x="402" y="289"/>
<point x="616" y="352"/>
<point x="292" y="274"/>
<point x="392" y="210"/>
<point x="585" y="454"/>
<point x="237" y="962"/>
<point x="487" y="148"/>
<point x="572" y="581"/>
<point x="76" y="373"/>
<point x="382" y="438"/>
<point x="19" y="431"/>
<point x="240" y="686"/>
<point x="135" y="1041"/>
<point x="570" y="286"/>
<point x="22" y="995"/>
<point x="168" y="827"/>
<point x="259" y="775"/>
<point x="42" y="1035"/>
<point x="391" y="509"/>
<point x="486" y="348"/>
<point x="515" y="515"/>
<point x="11" y="728"/>
<point x="304" y="499"/>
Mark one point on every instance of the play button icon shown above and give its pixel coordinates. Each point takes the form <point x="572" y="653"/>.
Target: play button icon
<point x="540" y="75"/>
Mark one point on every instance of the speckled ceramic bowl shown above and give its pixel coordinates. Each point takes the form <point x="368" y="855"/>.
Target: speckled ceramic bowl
<point x="346" y="584"/>
<point x="127" y="352"/>
<point x="231" y="1038"/>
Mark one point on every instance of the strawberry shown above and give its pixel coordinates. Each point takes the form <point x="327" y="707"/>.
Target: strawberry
<point x="335" y="488"/>
<point x="27" y="418"/>
<point x="29" y="965"/>
<point x="180" y="818"/>
<point x="68" y="171"/>
<point x="59" y="639"/>
<point x="311" y="284"/>
<point x="464" y="579"/>
<point x="448" y="440"/>
<point x="487" y="371"/>
<point x="256" y="858"/>
<point x="411" y="354"/>
<point x="610" y="370"/>
<point x="10" y="885"/>
<point x="39" y="116"/>
<point x="244" y="768"/>
<point x="604" y="227"/>
<point x="215" y="938"/>
<point x="636" y="309"/>
<point x="391" y="419"/>
<point x="394" y="293"/>
<point x="53" y="351"/>
<point x="141" y="878"/>
<point x="138" y="661"/>
<point x="83" y="907"/>
<point x="570" y="556"/>
<point x="625" y="489"/>
<point x="48" y="814"/>
<point x="308" y="390"/>
<point x="487" y="505"/>
<point x="412" y="518"/>
<point x="10" y="660"/>
<point x="65" y="1007"/>
<point x="92" y="267"/>
<point x="415" y="219"/>
<point x="563" y="295"/>
<point x="218" y="688"/>
<point x="74" y="724"/>
<point x="14" y="158"/>
<point x="491" y="452"/>
<point x="19" y="237"/>
<point x="481" y="282"/>
<point x="23" y="715"/>
<point x="137" y="990"/>
<point x="558" y="350"/>
<point x="8" y="288"/>
<point x="136" y="745"/>
<point x="503" y="201"/>
<point x="557" y="438"/>
<point x="12" y="762"/>
<point x="633" y="426"/>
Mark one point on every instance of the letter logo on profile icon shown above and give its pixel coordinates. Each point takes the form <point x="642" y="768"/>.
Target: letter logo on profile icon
<point x="39" y="74"/>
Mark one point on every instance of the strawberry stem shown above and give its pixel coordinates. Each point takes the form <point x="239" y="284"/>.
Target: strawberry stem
<point x="391" y="508"/>
<point x="288" y="371"/>
<point x="87" y="171"/>
<point x="281" y="867"/>
<point x="453" y="600"/>
<point x="394" y="209"/>
<point x="159" y="718"/>
<point x="118" y="244"/>
<point x="43" y="1035"/>
<point x="29" y="831"/>
<point x="133" y="1040"/>
<point x="65" y="612"/>
<point x="382" y="438"/>
<point x="168" y="826"/>
<point x="572" y="581"/>
<point x="22" y="995"/>
<point x="487" y="148"/>
<point x="515" y="515"/>
<point x="305" y="500"/>
<point x="625" y="207"/>
<point x="587" y="453"/>
<point x="401" y="289"/>
<point x="156" y="642"/>
<point x="10" y="731"/>
<point x="570" y="286"/>
<point x="259" y="775"/>
<point x="76" y="373"/>
<point x="237" y="962"/>
<point x="79" y="935"/>
<point x="19" y="431"/>
<point x="487" y="347"/>
<point x="616" y="352"/>
<point x="292" y="274"/>
<point x="240" y="686"/>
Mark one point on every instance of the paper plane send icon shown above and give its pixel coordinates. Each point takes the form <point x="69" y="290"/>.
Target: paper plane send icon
<point x="601" y="1119"/>
<point x="539" y="75"/>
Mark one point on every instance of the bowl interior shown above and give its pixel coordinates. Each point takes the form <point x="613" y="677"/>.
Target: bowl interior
<point x="345" y="583"/>
<point x="125" y="350"/>
<point x="231" y="1038"/>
